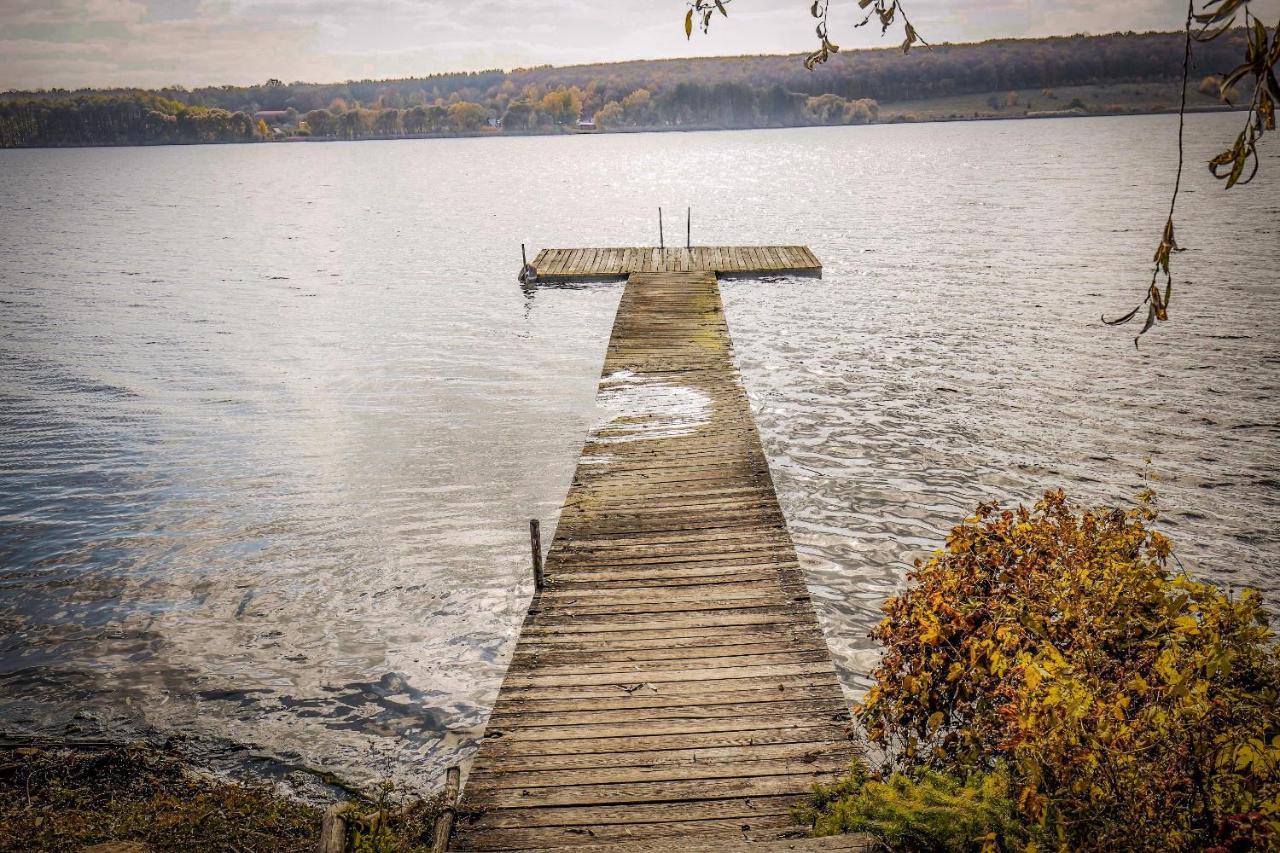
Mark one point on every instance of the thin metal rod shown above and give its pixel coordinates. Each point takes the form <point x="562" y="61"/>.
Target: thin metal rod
<point x="535" y="545"/>
<point x="688" y="228"/>
<point x="661" y="245"/>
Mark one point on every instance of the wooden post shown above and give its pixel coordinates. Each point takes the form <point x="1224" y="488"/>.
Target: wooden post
<point x="688" y="228"/>
<point x="524" y="259"/>
<point x="535" y="545"/>
<point x="333" y="830"/>
<point x="449" y="808"/>
<point x="661" y="245"/>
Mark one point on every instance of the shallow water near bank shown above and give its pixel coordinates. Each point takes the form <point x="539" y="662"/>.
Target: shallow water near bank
<point x="275" y="416"/>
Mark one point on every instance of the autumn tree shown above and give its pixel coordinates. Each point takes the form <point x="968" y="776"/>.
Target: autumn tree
<point x="563" y="105"/>
<point x="437" y="118"/>
<point x="464" y="115"/>
<point x="518" y="116"/>
<point x="320" y="122"/>
<point x="387" y="122"/>
<point x="415" y="119"/>
<point x="610" y="115"/>
<point x="828" y="109"/>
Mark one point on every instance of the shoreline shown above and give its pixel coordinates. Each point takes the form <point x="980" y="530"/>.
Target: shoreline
<point x="142" y="798"/>
<point x="497" y="133"/>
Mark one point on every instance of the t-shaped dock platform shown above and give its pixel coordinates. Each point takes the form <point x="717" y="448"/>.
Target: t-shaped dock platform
<point x="671" y="688"/>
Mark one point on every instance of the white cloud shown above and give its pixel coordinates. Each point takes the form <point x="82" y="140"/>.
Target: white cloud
<point x="72" y="43"/>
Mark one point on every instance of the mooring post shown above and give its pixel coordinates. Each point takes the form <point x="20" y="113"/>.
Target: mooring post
<point x="535" y="545"/>
<point x="333" y="829"/>
<point x="661" y="245"/>
<point x="688" y="228"/>
<point x="527" y="273"/>
<point x="449" y="807"/>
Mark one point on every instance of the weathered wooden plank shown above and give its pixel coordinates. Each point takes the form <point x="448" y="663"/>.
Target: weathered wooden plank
<point x="646" y="605"/>
<point x="781" y="839"/>
<point x="647" y="792"/>
<point x="672" y="642"/>
<point x="651" y="670"/>
<point x="662" y="677"/>
<point x="827" y="735"/>
<point x="757" y="769"/>
<point x="551" y="266"/>
<point x="654" y="697"/>
<point x="789" y="751"/>
<point x="525" y="716"/>
<point x="656" y="815"/>
<point x="600" y="597"/>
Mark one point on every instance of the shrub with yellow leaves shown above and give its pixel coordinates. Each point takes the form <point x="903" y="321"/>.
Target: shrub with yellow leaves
<point x="1134" y="708"/>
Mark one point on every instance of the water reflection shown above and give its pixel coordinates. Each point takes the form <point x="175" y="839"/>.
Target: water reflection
<point x="275" y="416"/>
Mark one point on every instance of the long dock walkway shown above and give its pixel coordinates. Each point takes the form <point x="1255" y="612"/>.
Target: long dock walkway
<point x="671" y="688"/>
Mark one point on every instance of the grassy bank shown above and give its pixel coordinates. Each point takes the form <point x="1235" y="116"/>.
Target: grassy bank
<point x="70" y="798"/>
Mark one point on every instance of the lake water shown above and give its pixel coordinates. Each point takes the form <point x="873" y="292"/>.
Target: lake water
<point x="275" y="416"/>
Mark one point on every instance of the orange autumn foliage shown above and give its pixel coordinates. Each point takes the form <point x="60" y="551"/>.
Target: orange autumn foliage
<point x="1135" y="709"/>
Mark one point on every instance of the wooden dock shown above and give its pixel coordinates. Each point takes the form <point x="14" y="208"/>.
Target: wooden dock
<point x="671" y="688"/>
<point x="604" y="264"/>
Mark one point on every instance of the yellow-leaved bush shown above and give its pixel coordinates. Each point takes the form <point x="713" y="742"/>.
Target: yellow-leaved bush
<point x="1134" y="708"/>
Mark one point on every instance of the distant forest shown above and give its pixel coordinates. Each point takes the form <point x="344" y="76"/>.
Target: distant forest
<point x="721" y="92"/>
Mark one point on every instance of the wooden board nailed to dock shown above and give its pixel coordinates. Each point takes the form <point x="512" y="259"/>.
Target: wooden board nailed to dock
<point x="671" y="685"/>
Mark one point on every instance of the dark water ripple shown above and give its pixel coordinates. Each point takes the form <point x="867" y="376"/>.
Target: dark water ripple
<point x="274" y="417"/>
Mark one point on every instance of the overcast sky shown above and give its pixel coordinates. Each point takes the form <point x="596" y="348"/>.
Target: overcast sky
<point x="71" y="43"/>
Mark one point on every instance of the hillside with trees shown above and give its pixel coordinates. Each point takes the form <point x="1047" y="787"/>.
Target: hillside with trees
<point x="1005" y="78"/>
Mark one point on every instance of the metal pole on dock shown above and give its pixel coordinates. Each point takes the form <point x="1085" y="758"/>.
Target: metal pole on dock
<point x="527" y="273"/>
<point x="688" y="228"/>
<point x="661" y="245"/>
<point x="535" y="545"/>
<point x="444" y="820"/>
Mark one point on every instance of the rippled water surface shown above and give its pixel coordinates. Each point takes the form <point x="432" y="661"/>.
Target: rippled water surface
<point x="274" y="416"/>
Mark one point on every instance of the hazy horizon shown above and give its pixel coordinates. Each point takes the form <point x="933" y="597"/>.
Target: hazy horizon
<point x="154" y="43"/>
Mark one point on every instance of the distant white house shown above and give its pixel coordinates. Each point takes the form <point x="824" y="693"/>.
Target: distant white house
<point x="587" y="124"/>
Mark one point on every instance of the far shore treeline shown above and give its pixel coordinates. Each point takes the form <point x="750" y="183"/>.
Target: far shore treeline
<point x="1013" y="78"/>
